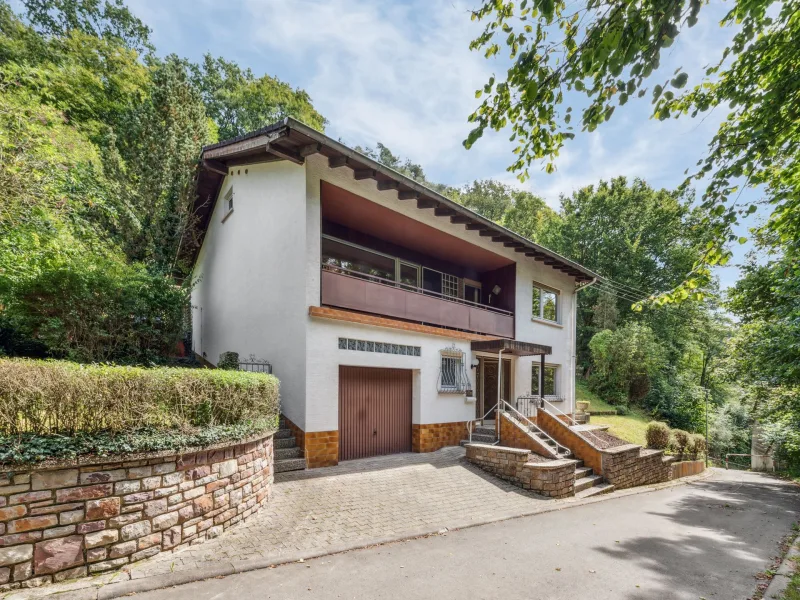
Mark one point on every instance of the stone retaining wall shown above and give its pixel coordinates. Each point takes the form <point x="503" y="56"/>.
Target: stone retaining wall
<point x="630" y="466"/>
<point x="553" y="478"/>
<point x="73" y="519"/>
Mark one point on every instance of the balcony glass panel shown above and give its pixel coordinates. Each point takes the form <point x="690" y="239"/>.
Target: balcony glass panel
<point x="337" y="254"/>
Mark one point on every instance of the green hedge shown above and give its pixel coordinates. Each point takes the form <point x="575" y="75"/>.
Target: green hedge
<point x="54" y="397"/>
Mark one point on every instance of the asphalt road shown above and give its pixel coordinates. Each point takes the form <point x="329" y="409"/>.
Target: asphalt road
<point x="703" y="540"/>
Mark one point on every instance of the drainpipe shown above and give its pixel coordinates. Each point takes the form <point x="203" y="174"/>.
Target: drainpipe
<point x="575" y="340"/>
<point x="499" y="392"/>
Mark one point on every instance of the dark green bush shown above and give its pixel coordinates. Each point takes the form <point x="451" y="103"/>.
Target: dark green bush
<point x="55" y="397"/>
<point x="228" y="361"/>
<point x="622" y="410"/>
<point x="31" y="447"/>
<point x="657" y="435"/>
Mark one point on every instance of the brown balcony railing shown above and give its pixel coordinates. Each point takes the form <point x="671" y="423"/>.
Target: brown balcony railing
<point x="363" y="292"/>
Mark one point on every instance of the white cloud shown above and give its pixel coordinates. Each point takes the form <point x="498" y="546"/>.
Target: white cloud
<point x="399" y="74"/>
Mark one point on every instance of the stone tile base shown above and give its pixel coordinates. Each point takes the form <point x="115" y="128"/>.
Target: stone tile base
<point x="435" y="436"/>
<point x="321" y="448"/>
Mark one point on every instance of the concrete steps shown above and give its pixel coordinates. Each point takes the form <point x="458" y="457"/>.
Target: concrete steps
<point x="584" y="483"/>
<point x="293" y="452"/>
<point x="288" y="456"/>
<point x="595" y="490"/>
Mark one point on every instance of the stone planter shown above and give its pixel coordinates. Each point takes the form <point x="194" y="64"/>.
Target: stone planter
<point x="90" y="515"/>
<point x="583" y="406"/>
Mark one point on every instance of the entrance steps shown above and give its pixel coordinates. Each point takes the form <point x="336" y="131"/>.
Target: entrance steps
<point x="588" y="484"/>
<point x="288" y="456"/>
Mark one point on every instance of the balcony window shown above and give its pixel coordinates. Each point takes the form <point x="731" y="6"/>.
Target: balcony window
<point x="355" y="258"/>
<point x="545" y="304"/>
<point x="549" y="380"/>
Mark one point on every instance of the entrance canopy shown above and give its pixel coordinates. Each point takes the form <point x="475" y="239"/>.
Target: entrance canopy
<point x="510" y="347"/>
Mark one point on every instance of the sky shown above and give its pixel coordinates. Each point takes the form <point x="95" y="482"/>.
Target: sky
<point x="401" y="73"/>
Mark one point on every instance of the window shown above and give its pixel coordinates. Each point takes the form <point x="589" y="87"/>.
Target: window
<point x="450" y="285"/>
<point x="452" y="374"/>
<point x="545" y="304"/>
<point x="549" y="380"/>
<point x="359" y="260"/>
<point x="408" y="274"/>
<point x="228" y="204"/>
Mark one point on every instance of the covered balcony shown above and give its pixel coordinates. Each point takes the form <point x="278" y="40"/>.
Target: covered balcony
<point x="376" y="260"/>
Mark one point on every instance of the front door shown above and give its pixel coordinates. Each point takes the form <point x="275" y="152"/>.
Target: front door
<point x="488" y="384"/>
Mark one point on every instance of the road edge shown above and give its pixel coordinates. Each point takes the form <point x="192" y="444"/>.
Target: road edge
<point x="780" y="581"/>
<point x="136" y="585"/>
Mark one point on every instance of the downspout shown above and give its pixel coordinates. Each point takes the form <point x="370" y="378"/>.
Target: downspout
<point x="575" y="341"/>
<point x="499" y="391"/>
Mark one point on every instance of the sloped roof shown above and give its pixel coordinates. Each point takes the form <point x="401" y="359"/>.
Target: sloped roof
<point x="292" y="140"/>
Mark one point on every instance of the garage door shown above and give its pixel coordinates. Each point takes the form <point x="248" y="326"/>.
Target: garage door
<point x="374" y="412"/>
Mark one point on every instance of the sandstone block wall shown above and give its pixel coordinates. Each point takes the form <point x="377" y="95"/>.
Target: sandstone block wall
<point x="76" y="519"/>
<point x="630" y="466"/>
<point x="553" y="478"/>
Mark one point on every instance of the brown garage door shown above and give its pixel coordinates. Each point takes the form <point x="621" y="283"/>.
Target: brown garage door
<point x="374" y="412"/>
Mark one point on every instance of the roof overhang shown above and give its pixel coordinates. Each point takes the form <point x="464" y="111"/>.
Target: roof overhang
<point x="294" y="141"/>
<point x="513" y="347"/>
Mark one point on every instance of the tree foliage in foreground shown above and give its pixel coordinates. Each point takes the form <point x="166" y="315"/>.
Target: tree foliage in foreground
<point x="99" y="141"/>
<point x="585" y="61"/>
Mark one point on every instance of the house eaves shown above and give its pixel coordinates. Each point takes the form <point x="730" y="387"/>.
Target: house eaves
<point x="294" y="141"/>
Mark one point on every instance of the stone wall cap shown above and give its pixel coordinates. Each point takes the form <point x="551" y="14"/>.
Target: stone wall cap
<point x="623" y="448"/>
<point x="93" y="459"/>
<point x="551" y="464"/>
<point x="506" y="449"/>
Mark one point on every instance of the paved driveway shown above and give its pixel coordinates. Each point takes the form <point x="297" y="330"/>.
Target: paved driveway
<point x="359" y="502"/>
<point x="706" y="540"/>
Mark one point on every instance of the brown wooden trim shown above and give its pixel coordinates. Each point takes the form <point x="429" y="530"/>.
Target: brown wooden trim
<point x="360" y="174"/>
<point x="406" y="195"/>
<point x="334" y="314"/>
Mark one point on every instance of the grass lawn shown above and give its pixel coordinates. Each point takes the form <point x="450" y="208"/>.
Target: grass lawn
<point x="793" y="591"/>
<point x="630" y="428"/>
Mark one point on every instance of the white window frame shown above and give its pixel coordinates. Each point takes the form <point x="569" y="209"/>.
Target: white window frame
<point x="556" y="371"/>
<point x="227" y="204"/>
<point x="541" y="289"/>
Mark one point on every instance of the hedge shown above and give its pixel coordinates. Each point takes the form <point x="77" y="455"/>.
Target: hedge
<point x="55" y="397"/>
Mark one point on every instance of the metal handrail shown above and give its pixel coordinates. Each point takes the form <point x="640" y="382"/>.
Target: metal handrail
<point x="411" y="288"/>
<point x="532" y="425"/>
<point x="574" y="422"/>
<point x="470" y="423"/>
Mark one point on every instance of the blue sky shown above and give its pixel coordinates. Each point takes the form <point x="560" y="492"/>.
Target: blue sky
<point x="402" y="73"/>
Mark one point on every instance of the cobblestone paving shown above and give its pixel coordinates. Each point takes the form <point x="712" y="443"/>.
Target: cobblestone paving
<point x="358" y="502"/>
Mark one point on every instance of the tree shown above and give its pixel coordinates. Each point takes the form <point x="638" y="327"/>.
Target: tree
<point x="95" y="18"/>
<point x="163" y="139"/>
<point x="240" y="102"/>
<point x="601" y="55"/>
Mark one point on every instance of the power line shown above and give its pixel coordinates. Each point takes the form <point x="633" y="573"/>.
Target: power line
<point x="624" y="287"/>
<point x="622" y="295"/>
<point x="603" y="286"/>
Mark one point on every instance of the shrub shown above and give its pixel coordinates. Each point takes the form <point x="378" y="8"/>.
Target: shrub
<point x="657" y="435"/>
<point x="623" y="410"/>
<point x="228" y="361"/>
<point x="679" y="441"/>
<point x="696" y="446"/>
<point x="54" y="397"/>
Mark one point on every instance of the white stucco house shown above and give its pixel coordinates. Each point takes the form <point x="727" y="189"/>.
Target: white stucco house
<point x="384" y="307"/>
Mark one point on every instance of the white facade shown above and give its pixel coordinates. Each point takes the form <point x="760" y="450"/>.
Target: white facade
<point x="258" y="273"/>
